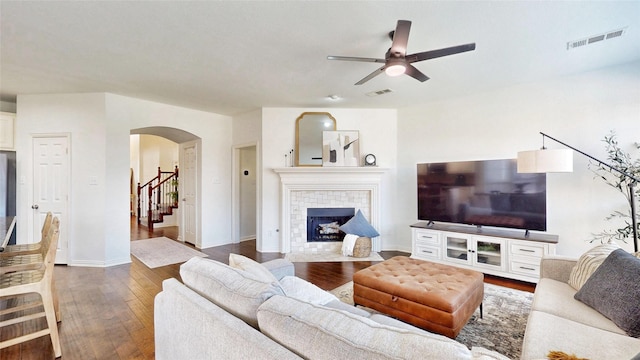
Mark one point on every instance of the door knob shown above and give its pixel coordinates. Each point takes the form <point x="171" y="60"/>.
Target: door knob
<point x="35" y="207"/>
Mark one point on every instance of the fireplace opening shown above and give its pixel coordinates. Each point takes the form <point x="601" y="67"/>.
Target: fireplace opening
<point x="323" y="224"/>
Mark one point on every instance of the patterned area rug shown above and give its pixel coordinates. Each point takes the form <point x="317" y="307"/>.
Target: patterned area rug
<point x="505" y="313"/>
<point x="162" y="251"/>
<point x="329" y="257"/>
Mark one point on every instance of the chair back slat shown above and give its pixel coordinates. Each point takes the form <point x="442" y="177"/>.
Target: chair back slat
<point x="47" y="239"/>
<point x="52" y="249"/>
<point x="46" y="224"/>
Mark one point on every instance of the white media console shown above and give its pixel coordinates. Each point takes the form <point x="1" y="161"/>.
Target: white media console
<point x="501" y="252"/>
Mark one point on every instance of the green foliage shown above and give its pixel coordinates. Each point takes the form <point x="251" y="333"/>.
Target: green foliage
<point x="623" y="161"/>
<point x="174" y="194"/>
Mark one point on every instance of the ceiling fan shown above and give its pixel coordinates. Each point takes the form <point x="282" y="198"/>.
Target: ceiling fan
<point x="397" y="62"/>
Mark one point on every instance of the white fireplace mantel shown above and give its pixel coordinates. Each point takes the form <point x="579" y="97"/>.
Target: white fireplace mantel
<point x="328" y="179"/>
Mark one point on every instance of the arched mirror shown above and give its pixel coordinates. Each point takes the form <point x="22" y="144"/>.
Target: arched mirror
<point x="309" y="128"/>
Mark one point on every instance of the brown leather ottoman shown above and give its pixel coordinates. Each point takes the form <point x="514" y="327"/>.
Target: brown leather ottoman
<point x="435" y="297"/>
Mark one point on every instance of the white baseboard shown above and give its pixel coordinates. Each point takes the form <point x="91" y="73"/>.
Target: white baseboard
<point x="100" y="264"/>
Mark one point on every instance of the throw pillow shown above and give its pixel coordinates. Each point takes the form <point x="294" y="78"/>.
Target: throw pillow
<point x="305" y="291"/>
<point x="559" y="355"/>
<point x="358" y="225"/>
<point x="613" y="290"/>
<point x="588" y="263"/>
<point x="255" y="269"/>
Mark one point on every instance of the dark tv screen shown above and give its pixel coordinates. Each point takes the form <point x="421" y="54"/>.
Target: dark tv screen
<point x="483" y="193"/>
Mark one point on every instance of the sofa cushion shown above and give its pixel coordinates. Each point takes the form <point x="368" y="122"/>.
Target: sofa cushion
<point x="339" y="305"/>
<point x="588" y="263"/>
<point x="188" y="326"/>
<point x="231" y="289"/>
<point x="254" y="268"/>
<point x="556" y="297"/>
<point x="614" y="291"/>
<point x="280" y="267"/>
<point x="317" y="332"/>
<point x="546" y="332"/>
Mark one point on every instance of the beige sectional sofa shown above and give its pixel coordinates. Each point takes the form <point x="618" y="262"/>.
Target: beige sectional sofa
<point x="224" y="312"/>
<point x="558" y="322"/>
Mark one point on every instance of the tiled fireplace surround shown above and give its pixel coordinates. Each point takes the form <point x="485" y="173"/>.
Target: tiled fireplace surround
<point x="324" y="187"/>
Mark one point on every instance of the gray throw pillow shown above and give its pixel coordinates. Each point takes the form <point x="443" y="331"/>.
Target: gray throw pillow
<point x="358" y="225"/>
<point x="614" y="291"/>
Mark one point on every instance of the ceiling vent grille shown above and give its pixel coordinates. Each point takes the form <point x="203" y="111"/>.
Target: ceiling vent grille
<point x="379" y="92"/>
<point x="596" y="38"/>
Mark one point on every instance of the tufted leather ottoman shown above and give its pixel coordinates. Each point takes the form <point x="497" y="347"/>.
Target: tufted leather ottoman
<point x="435" y="297"/>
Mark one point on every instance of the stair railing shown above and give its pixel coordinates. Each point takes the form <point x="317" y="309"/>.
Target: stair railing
<point x="157" y="197"/>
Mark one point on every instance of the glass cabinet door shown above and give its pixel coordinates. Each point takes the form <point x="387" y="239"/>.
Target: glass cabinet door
<point x="457" y="248"/>
<point x="489" y="252"/>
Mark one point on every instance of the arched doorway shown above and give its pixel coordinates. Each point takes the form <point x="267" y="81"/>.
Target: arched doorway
<point x="188" y="153"/>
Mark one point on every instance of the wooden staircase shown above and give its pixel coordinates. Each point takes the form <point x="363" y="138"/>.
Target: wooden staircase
<point x="157" y="198"/>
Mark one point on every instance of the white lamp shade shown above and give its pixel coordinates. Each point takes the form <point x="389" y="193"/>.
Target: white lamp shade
<point x="545" y="161"/>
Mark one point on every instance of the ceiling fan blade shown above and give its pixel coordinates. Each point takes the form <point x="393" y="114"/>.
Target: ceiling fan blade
<point x="351" y="58"/>
<point x="415" y="73"/>
<point x="371" y="76"/>
<point x="400" y="38"/>
<point x="432" y="54"/>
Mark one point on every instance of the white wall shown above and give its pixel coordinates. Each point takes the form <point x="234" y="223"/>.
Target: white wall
<point x="377" y="135"/>
<point x="83" y="117"/>
<point x="214" y="130"/>
<point x="247" y="128"/>
<point x="156" y="151"/>
<point x="579" y="110"/>
<point x="99" y="125"/>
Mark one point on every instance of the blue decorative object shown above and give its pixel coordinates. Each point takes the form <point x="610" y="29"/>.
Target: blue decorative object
<point x="358" y="225"/>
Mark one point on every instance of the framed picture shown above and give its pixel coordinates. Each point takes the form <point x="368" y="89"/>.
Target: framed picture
<point x="340" y="148"/>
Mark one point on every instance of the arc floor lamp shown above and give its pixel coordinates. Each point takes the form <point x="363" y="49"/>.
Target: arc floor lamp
<point x="561" y="160"/>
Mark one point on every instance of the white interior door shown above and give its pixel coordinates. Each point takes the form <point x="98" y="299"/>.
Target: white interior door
<point x="189" y="192"/>
<point x="51" y="187"/>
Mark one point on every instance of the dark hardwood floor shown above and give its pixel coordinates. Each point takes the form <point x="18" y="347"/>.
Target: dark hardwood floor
<point x="107" y="313"/>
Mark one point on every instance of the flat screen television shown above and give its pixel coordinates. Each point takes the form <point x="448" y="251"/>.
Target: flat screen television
<point x="482" y="193"/>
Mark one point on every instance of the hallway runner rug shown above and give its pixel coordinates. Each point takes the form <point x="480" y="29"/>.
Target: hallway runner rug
<point x="162" y="251"/>
<point x="502" y="327"/>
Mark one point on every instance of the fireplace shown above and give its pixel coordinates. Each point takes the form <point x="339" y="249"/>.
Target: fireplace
<point x="323" y="224"/>
<point x="325" y="187"/>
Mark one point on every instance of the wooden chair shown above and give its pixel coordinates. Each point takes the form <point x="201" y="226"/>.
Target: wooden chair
<point x="26" y="249"/>
<point x="31" y="259"/>
<point x="40" y="281"/>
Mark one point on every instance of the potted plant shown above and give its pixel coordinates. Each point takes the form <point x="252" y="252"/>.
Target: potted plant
<point x="174" y="194"/>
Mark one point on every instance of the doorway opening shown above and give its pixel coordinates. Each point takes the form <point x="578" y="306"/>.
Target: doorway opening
<point x="245" y="193"/>
<point x="156" y="150"/>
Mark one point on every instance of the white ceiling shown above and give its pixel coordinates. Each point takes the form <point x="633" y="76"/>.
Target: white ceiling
<point x="232" y="57"/>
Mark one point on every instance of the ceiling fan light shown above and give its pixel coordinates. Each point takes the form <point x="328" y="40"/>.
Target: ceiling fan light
<point x="395" y="69"/>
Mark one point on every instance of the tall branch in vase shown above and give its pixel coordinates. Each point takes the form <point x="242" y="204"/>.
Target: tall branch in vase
<point x="625" y="162"/>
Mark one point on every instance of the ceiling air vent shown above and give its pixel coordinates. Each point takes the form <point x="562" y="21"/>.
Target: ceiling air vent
<point x="379" y="92"/>
<point x="596" y="38"/>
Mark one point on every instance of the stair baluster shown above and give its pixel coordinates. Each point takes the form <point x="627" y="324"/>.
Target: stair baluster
<point x="158" y="197"/>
